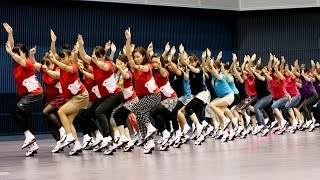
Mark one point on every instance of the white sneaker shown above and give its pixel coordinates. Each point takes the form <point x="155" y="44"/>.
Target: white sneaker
<point x="265" y="132"/>
<point x="226" y="123"/>
<point x="316" y="124"/>
<point x="77" y="148"/>
<point x="257" y="130"/>
<point x="199" y="140"/>
<point x="129" y="146"/>
<point x="244" y="134"/>
<point x="149" y="146"/>
<point x="98" y="140"/>
<point x="199" y="130"/>
<point x="219" y="134"/>
<point x="56" y="149"/>
<point x="312" y="127"/>
<point x="225" y="136"/>
<point x="122" y="140"/>
<point x="266" y="121"/>
<point x="28" y="141"/>
<point x="238" y="132"/>
<point x="249" y="129"/>
<point x="69" y="140"/>
<point x="273" y="124"/>
<point x="166" y="136"/>
<point x="109" y="150"/>
<point x="63" y="137"/>
<point x="185" y="139"/>
<point x="135" y="138"/>
<point x="105" y="142"/>
<point x="209" y="130"/>
<point x="33" y="148"/>
<point x="231" y="135"/>
<point x="86" y="141"/>
<point x="116" y="136"/>
<point x="308" y="123"/>
<point x="186" y="129"/>
<point x="160" y="140"/>
<point x="150" y="131"/>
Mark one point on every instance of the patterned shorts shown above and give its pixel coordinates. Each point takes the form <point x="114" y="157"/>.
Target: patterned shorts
<point x="169" y="103"/>
<point x="129" y="104"/>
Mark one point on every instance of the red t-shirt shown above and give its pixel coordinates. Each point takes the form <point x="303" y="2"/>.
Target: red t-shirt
<point x="26" y="81"/>
<point x="105" y="80"/>
<point x="70" y="83"/>
<point x="164" y="85"/>
<point x="250" y="86"/>
<point x="52" y="86"/>
<point x="277" y="87"/>
<point x="92" y="88"/>
<point x="128" y="92"/>
<point x="144" y="82"/>
<point x="291" y="86"/>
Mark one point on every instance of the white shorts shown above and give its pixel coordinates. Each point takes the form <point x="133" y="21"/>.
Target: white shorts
<point x="204" y="96"/>
<point x="228" y="98"/>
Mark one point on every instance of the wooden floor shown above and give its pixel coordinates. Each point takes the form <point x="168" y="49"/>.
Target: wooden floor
<point x="285" y="157"/>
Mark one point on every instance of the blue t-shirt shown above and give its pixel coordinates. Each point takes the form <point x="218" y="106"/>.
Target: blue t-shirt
<point x="232" y="85"/>
<point x="221" y="87"/>
<point x="186" y="85"/>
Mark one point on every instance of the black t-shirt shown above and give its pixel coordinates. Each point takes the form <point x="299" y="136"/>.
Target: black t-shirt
<point x="176" y="83"/>
<point x="209" y="86"/>
<point x="242" y="90"/>
<point x="262" y="87"/>
<point x="197" y="82"/>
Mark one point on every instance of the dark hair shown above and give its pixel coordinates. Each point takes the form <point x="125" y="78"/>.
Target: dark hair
<point x="217" y="64"/>
<point x="193" y="58"/>
<point x="123" y="58"/>
<point x="259" y="67"/>
<point x="99" y="51"/>
<point x="174" y="60"/>
<point x="143" y="52"/>
<point x="64" y="53"/>
<point x="66" y="47"/>
<point x="227" y="66"/>
<point x="20" y="46"/>
<point x="157" y="55"/>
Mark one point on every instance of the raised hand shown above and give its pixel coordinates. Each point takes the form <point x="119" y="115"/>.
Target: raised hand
<point x="312" y="63"/>
<point x="167" y="47"/>
<point x="113" y="47"/>
<point x="51" y="57"/>
<point x="208" y="53"/>
<point x="108" y="45"/>
<point x="7" y="27"/>
<point x="317" y="65"/>
<point x="204" y="54"/>
<point x="283" y="60"/>
<point x="33" y="50"/>
<point x="127" y="33"/>
<point x="173" y="50"/>
<point x="253" y="57"/>
<point x="150" y="47"/>
<point x="259" y="61"/>
<point x="270" y="57"/>
<point x="234" y="57"/>
<point x="80" y="40"/>
<point x="53" y="36"/>
<point x="181" y="48"/>
<point x="219" y="56"/>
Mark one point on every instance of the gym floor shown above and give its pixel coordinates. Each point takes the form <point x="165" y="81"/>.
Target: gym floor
<point x="288" y="156"/>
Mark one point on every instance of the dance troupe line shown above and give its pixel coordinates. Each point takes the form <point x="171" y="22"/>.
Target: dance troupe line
<point x="125" y="101"/>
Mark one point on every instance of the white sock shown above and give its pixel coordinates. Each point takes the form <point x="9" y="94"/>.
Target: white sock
<point x="116" y="133"/>
<point x="216" y="124"/>
<point x="70" y="136"/>
<point x="204" y="123"/>
<point x="77" y="143"/>
<point x="165" y="133"/>
<point x="235" y="122"/>
<point x="62" y="130"/>
<point x="283" y="122"/>
<point x="28" y="135"/>
<point x="86" y="136"/>
<point x="295" y="122"/>
<point x="225" y="120"/>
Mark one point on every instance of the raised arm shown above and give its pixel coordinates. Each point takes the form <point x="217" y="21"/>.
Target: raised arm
<point x="52" y="74"/>
<point x="100" y="64"/>
<point x="173" y="65"/>
<point x="9" y="30"/>
<point x="270" y="62"/>
<point x="234" y="62"/>
<point x="32" y="52"/>
<point x="113" y="51"/>
<point x="214" y="72"/>
<point x="62" y="66"/>
<point x="14" y="56"/>
<point x="84" y="56"/>
<point x="53" y="44"/>
<point x="166" y="50"/>
<point x="281" y="67"/>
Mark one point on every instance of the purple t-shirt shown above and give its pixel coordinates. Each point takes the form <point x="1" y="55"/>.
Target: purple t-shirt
<point x="307" y="88"/>
<point x="316" y="85"/>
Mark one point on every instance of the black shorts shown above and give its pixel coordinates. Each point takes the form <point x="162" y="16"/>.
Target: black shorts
<point x="27" y="102"/>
